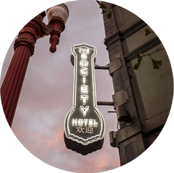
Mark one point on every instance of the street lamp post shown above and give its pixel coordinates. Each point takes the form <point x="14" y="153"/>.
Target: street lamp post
<point x="24" y="48"/>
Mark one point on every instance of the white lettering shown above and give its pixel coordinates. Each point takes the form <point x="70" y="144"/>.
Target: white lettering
<point x="83" y="51"/>
<point x="84" y="63"/>
<point x="84" y="71"/>
<point x="84" y="123"/>
<point x="95" y="123"/>
<point x="74" y="122"/>
<point x="84" y="89"/>
<point x="84" y="79"/>
<point x="80" y="122"/>
<point x="84" y="98"/>
<point x="90" y="123"/>
<point x="84" y="110"/>
<point x="83" y="56"/>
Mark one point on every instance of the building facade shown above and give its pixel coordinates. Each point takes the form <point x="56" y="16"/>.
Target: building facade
<point x="143" y="96"/>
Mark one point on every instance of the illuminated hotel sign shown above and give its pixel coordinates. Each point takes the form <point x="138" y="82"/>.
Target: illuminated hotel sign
<point x="84" y="124"/>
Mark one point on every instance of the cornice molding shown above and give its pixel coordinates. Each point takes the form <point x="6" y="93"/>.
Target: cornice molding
<point x="108" y="40"/>
<point x="143" y="48"/>
<point x="121" y="34"/>
<point x="132" y="29"/>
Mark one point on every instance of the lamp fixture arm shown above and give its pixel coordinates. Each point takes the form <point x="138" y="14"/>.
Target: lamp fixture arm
<point x="46" y="29"/>
<point x="54" y="29"/>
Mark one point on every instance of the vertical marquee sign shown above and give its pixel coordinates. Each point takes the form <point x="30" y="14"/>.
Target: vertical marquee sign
<point x="84" y="124"/>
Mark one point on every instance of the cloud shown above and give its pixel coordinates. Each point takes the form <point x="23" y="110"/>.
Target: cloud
<point x="46" y="95"/>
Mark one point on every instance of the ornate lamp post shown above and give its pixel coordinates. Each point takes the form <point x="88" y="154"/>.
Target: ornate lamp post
<point x="24" y="49"/>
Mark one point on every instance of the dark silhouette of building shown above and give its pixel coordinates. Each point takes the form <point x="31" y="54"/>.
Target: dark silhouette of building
<point x="142" y="97"/>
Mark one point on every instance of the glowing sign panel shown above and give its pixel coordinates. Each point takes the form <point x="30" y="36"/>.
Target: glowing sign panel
<point x="84" y="123"/>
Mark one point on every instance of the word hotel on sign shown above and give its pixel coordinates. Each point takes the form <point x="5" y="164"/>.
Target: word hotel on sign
<point x="84" y="122"/>
<point x="84" y="73"/>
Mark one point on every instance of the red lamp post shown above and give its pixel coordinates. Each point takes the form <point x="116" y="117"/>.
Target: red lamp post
<point x="24" y="49"/>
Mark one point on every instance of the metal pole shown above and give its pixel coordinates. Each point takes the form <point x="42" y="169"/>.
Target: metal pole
<point x="105" y="103"/>
<point x="24" y="49"/>
<point x="112" y="112"/>
<point x="101" y="67"/>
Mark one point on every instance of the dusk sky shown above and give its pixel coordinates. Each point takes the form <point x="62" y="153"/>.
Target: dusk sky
<point x="46" y="95"/>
